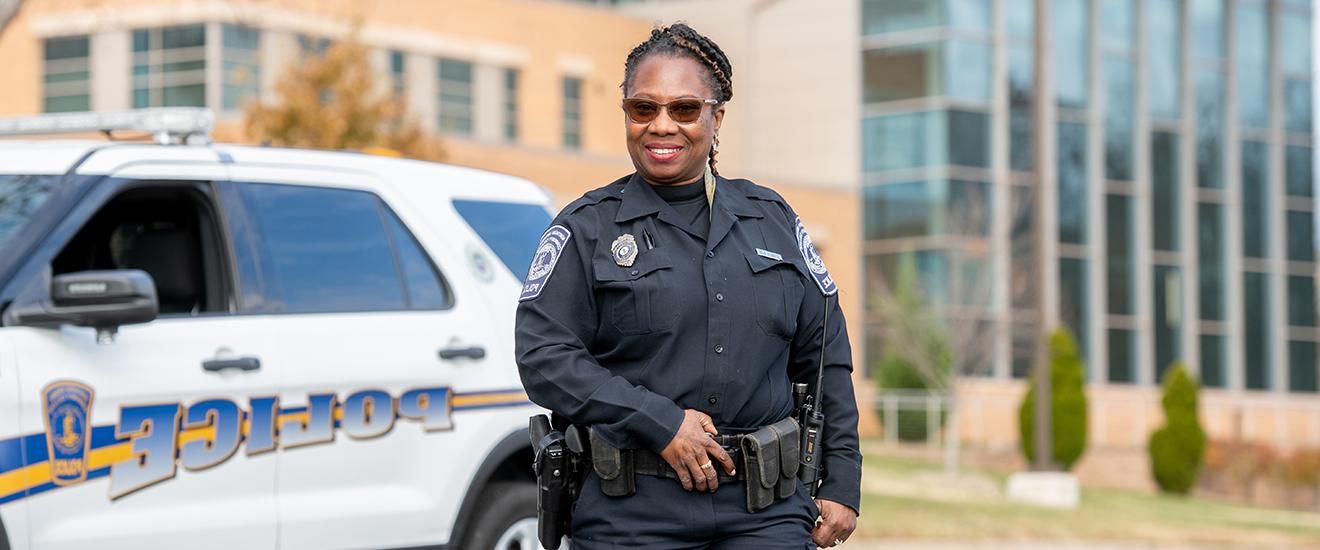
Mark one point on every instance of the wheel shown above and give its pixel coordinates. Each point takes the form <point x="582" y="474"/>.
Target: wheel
<point x="506" y="519"/>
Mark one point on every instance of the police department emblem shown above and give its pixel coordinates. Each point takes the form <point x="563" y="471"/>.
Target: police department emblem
<point x="814" y="263"/>
<point x="67" y="405"/>
<point x="547" y="255"/>
<point x="624" y="250"/>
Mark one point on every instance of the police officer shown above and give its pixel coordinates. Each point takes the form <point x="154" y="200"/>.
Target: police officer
<point x="674" y="305"/>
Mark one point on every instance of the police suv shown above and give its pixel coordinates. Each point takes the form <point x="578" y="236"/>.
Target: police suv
<point x="214" y="346"/>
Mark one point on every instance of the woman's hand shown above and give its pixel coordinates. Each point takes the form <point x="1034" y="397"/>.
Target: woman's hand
<point x="690" y="452"/>
<point x="836" y="523"/>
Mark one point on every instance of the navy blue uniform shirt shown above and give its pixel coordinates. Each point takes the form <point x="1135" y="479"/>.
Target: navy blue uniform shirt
<point x="720" y="322"/>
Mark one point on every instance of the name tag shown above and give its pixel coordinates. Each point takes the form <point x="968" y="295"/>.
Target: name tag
<point x="769" y="254"/>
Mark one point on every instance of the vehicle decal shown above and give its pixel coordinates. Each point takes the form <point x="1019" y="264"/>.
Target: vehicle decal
<point x="136" y="453"/>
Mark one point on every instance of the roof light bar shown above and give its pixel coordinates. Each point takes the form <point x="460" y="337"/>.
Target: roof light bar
<point x="167" y="125"/>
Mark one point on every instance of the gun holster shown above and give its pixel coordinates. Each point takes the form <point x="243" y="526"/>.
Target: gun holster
<point x="771" y="456"/>
<point x="557" y="465"/>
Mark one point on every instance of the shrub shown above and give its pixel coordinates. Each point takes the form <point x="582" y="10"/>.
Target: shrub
<point x="1067" y="404"/>
<point x="1177" y="449"/>
<point x="893" y="373"/>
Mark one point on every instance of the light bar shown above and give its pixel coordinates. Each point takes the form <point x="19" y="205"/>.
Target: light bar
<point x="167" y="125"/>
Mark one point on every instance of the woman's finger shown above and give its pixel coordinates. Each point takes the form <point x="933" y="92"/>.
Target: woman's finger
<point x="708" y="425"/>
<point x="694" y="470"/>
<point x="715" y="450"/>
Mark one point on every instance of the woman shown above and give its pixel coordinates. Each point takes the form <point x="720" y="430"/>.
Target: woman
<point x="673" y="306"/>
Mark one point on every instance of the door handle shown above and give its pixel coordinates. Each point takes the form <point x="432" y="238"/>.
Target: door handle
<point x="242" y="363"/>
<point x="473" y="352"/>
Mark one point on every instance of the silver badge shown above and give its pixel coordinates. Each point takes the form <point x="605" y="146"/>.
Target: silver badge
<point x="624" y="250"/>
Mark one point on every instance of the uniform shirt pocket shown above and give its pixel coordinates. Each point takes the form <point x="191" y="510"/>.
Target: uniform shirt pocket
<point x="777" y="285"/>
<point x="637" y="299"/>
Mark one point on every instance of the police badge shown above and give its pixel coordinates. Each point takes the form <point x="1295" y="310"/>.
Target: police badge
<point x="67" y="406"/>
<point x="624" y="250"/>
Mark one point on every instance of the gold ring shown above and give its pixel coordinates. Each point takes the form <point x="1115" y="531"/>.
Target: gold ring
<point x="707" y="465"/>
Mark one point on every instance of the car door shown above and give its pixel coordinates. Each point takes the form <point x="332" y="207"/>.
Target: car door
<point x="373" y="336"/>
<point x="136" y="441"/>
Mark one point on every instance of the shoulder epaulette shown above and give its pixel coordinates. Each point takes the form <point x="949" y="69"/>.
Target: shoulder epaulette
<point x="596" y="195"/>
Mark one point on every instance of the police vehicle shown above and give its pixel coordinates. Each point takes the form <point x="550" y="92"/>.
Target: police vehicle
<point x="215" y="346"/>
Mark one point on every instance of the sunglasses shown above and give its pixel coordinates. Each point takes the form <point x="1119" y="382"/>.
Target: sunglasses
<point x="682" y="111"/>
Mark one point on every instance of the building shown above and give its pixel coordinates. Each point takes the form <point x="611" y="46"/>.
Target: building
<point x="525" y="87"/>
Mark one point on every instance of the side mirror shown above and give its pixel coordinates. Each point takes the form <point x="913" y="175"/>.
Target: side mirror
<point x="104" y="300"/>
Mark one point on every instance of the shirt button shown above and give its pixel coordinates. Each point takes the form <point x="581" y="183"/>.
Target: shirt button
<point x="719" y="297"/>
<point x="710" y="254"/>
<point x="633" y="272"/>
<point x="719" y="349"/>
<point x="713" y="400"/>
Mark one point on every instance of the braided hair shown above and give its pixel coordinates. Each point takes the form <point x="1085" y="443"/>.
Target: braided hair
<point x="681" y="40"/>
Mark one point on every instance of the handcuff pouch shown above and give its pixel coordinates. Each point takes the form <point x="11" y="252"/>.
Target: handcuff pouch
<point x="614" y="467"/>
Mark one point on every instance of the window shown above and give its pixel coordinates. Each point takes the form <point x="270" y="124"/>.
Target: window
<point x="21" y="197"/>
<point x="1301" y="236"/>
<point x="511" y="104"/>
<point x="1164" y="36"/>
<point x="1119" y="129"/>
<point x="1252" y="52"/>
<point x="510" y="229"/>
<point x="169" y="67"/>
<point x="1021" y="71"/>
<point x="1117" y="25"/>
<point x="1122" y="356"/>
<point x="1164" y="182"/>
<point x="1209" y="129"/>
<point x="1210" y="237"/>
<point x="1297" y="105"/>
<point x="957" y="68"/>
<point x="1073" y="310"/>
<point x="166" y="230"/>
<point x="1255" y="212"/>
<point x="455" y="96"/>
<point x="241" y="62"/>
<point x="1021" y="19"/>
<point x="66" y="79"/>
<point x="1302" y="373"/>
<point x="1072" y="182"/>
<point x="945" y="277"/>
<point x="572" y="113"/>
<point x="1298" y="176"/>
<point x="885" y="16"/>
<point x="1296" y="31"/>
<point x="1024" y="271"/>
<point x="398" y="84"/>
<point x="1119" y="255"/>
<point x="1071" y="61"/>
<point x="320" y="250"/>
<point x="916" y="140"/>
<point x="1256" y="309"/>
<point x="923" y="208"/>
<point x="1167" y="318"/>
<point x="1208" y="28"/>
<point x="1214" y="367"/>
<point x="314" y="45"/>
<point x="1301" y="301"/>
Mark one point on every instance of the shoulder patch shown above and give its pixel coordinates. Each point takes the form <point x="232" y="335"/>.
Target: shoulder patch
<point x="814" y="262"/>
<point x="547" y="255"/>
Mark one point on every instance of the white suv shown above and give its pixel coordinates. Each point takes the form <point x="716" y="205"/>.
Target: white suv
<point x="213" y="346"/>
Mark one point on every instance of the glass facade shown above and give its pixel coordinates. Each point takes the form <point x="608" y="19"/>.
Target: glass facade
<point x="1218" y="185"/>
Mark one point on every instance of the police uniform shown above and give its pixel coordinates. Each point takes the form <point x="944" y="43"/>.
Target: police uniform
<point x="634" y="309"/>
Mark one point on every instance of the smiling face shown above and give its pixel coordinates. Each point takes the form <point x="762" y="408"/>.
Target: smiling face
<point x="663" y="151"/>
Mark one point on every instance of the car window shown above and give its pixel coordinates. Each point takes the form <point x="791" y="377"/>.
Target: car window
<point x="321" y="250"/>
<point x="20" y="197"/>
<point x="426" y="290"/>
<point x="510" y="229"/>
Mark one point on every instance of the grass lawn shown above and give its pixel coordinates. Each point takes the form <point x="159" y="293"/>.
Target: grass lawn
<point x="911" y="499"/>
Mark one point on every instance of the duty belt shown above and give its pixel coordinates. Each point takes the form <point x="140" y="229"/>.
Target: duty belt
<point x="648" y="463"/>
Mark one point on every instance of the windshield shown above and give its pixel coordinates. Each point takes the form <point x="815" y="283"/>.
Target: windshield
<point x="510" y="229"/>
<point x="21" y="196"/>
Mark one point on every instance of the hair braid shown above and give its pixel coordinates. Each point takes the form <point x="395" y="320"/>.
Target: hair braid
<point x="680" y="39"/>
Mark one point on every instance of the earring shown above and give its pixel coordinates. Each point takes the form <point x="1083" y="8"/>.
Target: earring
<point x="716" y="142"/>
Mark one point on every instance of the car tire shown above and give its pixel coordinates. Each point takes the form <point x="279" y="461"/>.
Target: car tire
<point x="505" y="518"/>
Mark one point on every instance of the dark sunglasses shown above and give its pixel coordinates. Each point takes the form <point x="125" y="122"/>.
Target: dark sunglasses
<point x="682" y="111"/>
